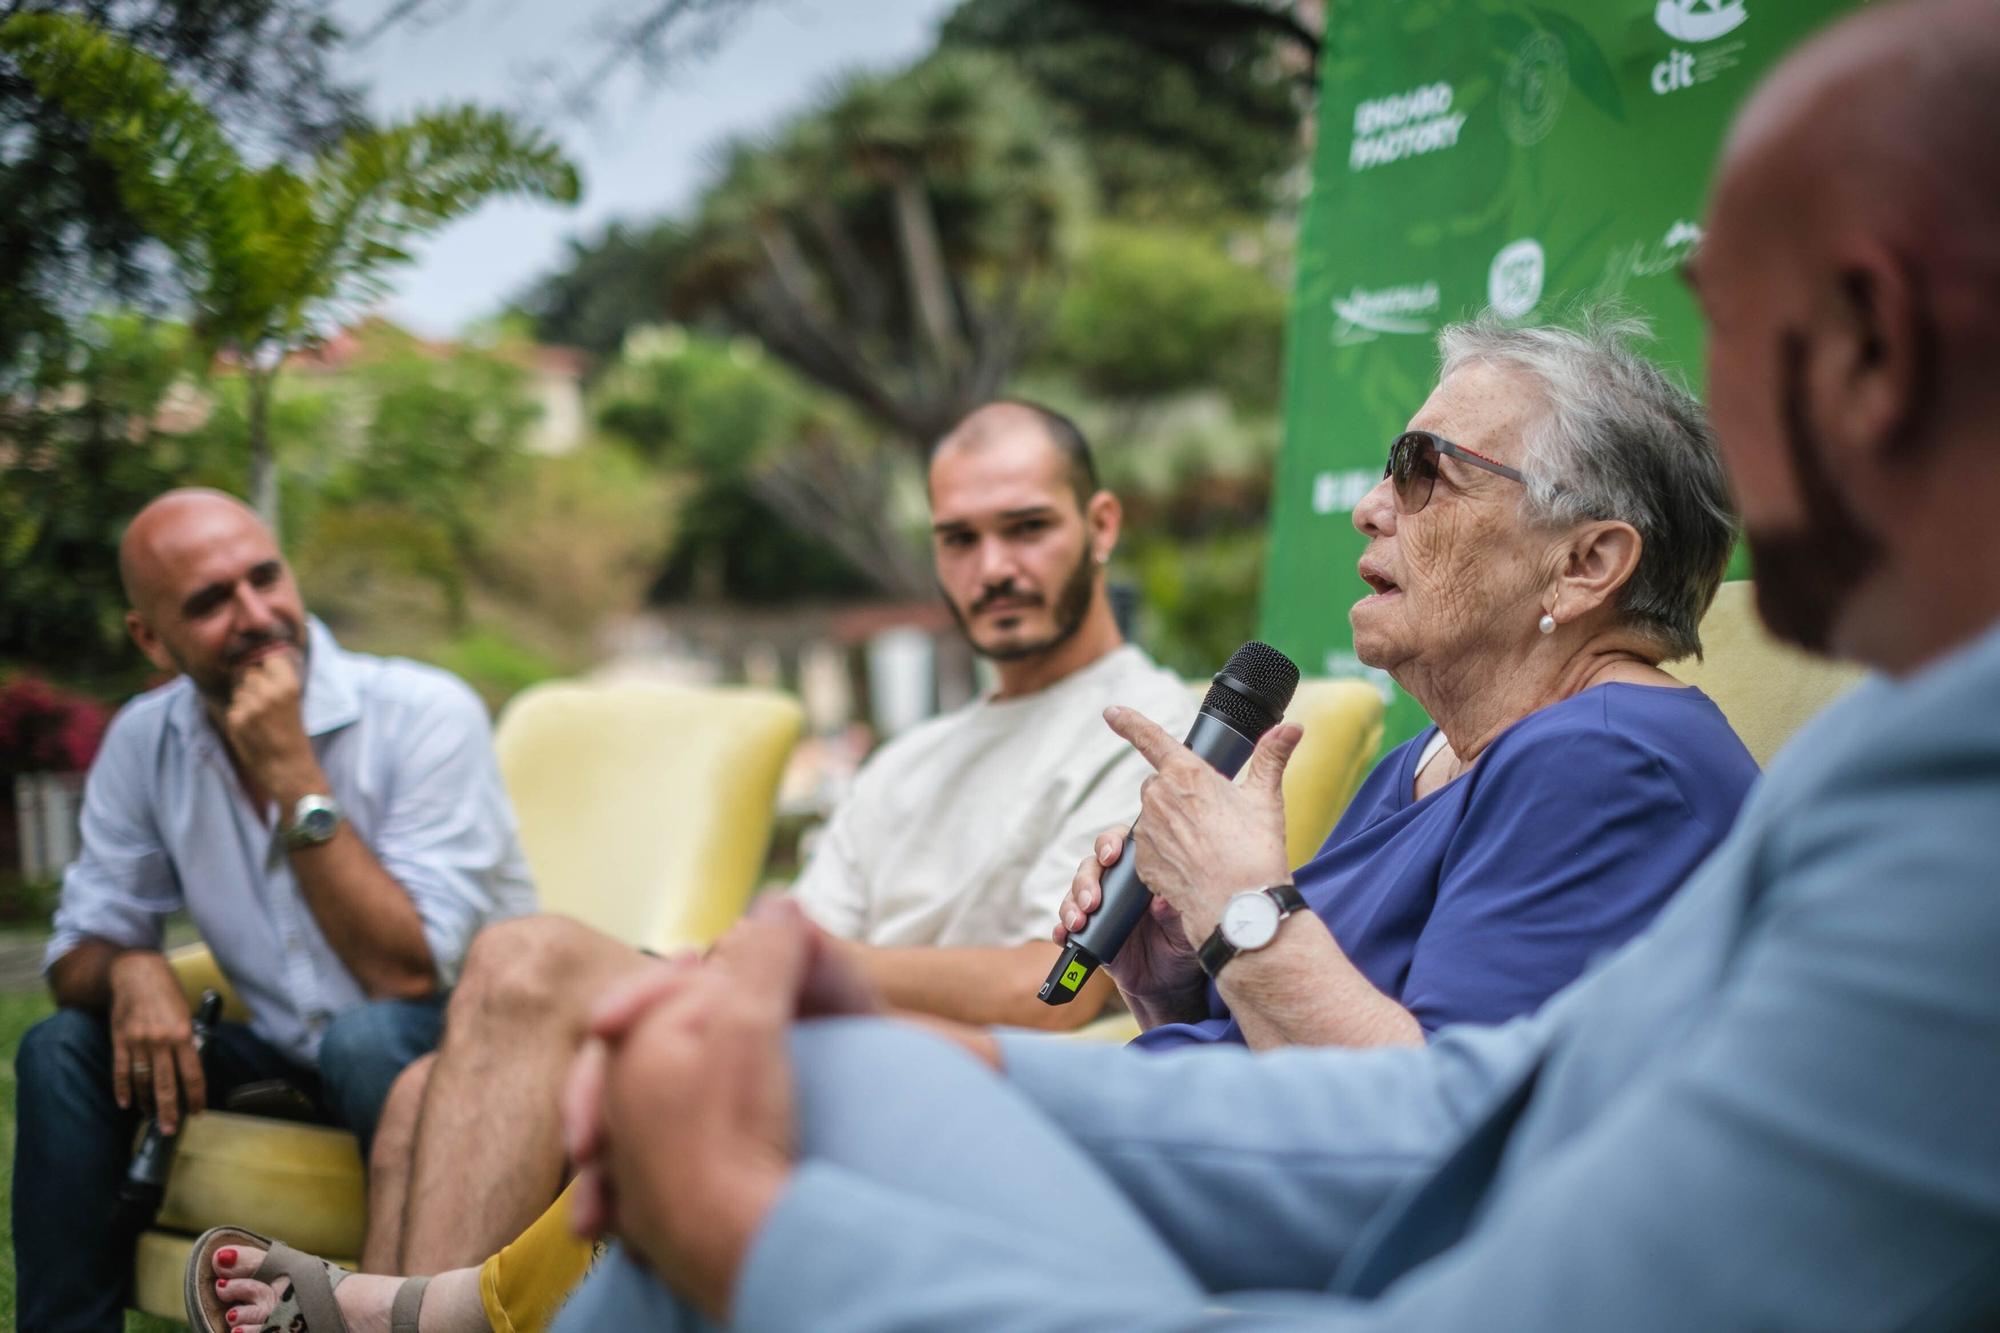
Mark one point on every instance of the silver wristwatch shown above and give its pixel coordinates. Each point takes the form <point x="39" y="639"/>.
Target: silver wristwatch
<point x="1250" y="921"/>
<point x="313" y="822"/>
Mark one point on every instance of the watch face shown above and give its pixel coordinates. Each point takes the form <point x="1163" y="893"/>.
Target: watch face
<point x="318" y="823"/>
<point x="1250" y="920"/>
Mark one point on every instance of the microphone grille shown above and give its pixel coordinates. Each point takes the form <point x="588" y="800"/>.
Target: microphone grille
<point x="1253" y="690"/>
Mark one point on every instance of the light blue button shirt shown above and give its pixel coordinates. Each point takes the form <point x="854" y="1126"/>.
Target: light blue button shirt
<point x="408" y="753"/>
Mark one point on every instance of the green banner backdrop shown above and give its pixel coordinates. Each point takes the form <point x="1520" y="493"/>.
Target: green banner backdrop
<point x="1476" y="153"/>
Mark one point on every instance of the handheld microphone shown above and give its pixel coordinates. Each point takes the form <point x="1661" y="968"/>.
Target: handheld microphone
<point x="1248" y="697"/>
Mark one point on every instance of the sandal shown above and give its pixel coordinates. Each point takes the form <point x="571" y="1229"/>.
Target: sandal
<point x="302" y="1283"/>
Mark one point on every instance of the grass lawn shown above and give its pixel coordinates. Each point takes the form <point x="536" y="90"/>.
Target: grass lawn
<point x="18" y="1013"/>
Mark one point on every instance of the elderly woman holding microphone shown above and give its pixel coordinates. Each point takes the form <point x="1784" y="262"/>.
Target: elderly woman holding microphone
<point x="1549" y="529"/>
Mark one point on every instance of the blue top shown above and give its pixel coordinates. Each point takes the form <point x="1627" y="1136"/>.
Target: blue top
<point x="1478" y="902"/>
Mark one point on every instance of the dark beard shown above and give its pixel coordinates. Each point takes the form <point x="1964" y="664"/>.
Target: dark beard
<point x="1072" y="605"/>
<point x="219" y="688"/>
<point x="1805" y="576"/>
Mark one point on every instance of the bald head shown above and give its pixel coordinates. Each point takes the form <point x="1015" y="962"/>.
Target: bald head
<point x="1009" y="421"/>
<point x="210" y="592"/>
<point x="172" y="524"/>
<point x="1880" y="132"/>
<point x="1853" y="299"/>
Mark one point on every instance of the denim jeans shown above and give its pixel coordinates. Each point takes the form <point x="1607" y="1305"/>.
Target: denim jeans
<point x="73" y="1142"/>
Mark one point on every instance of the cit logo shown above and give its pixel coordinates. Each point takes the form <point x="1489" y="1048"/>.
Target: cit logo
<point x="1674" y="73"/>
<point x="1698" y="20"/>
<point x="1514" y="282"/>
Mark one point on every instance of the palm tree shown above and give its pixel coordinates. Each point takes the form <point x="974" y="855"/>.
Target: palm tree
<point x="901" y="244"/>
<point x="273" y="256"/>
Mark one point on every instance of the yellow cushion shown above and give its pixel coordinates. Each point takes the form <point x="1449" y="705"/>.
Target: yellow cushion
<point x="645" y="810"/>
<point x="1119" y="1026"/>
<point x="1343" y="722"/>
<point x="1766" y="689"/>
<point x="302" y="1183"/>
<point x="197" y="971"/>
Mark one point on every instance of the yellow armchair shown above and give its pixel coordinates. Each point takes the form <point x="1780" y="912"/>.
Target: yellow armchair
<point x="644" y="810"/>
<point x="1343" y="722"/>
<point x="1766" y="689"/>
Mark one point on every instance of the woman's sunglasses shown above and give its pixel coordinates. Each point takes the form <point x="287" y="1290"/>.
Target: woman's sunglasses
<point x="1413" y="464"/>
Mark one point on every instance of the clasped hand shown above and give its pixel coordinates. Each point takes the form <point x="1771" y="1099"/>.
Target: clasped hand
<point x="1200" y="838"/>
<point x="679" y="1111"/>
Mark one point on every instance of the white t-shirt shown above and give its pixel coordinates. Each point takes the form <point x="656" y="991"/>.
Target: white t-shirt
<point x="967" y="830"/>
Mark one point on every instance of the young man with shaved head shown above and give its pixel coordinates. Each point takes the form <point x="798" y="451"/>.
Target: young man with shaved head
<point x="333" y="823"/>
<point x="1774" y="1110"/>
<point x="938" y="876"/>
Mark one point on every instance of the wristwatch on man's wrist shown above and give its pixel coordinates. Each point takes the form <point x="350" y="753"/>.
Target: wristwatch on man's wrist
<point x="313" y="822"/>
<point x="1250" y="921"/>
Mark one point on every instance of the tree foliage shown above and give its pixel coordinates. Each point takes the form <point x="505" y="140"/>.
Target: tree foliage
<point x="606" y="287"/>
<point x="68" y="243"/>
<point x="1185" y="108"/>
<point x="898" y="244"/>
<point x="272" y="255"/>
<point x="1157" y="311"/>
<point x="77" y="471"/>
<point x="723" y="412"/>
<point x="401" y="455"/>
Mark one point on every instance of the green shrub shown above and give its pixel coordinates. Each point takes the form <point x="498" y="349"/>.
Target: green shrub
<point x="495" y="665"/>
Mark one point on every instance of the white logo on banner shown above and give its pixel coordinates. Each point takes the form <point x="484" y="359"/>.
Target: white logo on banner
<point x="1514" y="283"/>
<point x="1699" y="20"/>
<point x="1533" y="91"/>
<point x="1638" y="259"/>
<point x="1363" y="315"/>
<point x="1696" y="21"/>
<point x="1339" y="492"/>
<point x="1342" y="664"/>
<point x="1409" y="124"/>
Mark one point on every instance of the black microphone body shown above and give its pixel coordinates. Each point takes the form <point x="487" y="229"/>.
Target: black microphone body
<point x="145" y="1183"/>
<point x="1247" y="699"/>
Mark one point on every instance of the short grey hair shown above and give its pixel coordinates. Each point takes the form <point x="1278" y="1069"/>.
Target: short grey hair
<point x="1619" y="440"/>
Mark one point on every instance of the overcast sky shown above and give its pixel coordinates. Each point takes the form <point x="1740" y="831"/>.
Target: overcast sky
<point x="647" y="149"/>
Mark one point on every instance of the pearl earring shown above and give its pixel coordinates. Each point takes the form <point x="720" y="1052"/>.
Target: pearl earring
<point x="1547" y="625"/>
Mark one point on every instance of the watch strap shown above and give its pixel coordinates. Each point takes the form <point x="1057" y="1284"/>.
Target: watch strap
<point x="1216" y="950"/>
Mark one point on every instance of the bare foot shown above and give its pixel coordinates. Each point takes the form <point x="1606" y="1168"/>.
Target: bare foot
<point x="451" y="1302"/>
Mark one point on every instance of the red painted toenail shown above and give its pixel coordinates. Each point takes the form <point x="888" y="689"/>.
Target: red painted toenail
<point x="221" y="1282"/>
<point x="225" y="1257"/>
<point x="232" y="1316"/>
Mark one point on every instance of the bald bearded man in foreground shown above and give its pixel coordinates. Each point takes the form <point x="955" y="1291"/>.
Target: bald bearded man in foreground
<point x="1773" y="1110"/>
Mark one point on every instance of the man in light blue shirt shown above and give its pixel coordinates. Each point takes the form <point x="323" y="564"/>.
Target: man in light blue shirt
<point x="333" y="823"/>
<point x="1775" y="1109"/>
